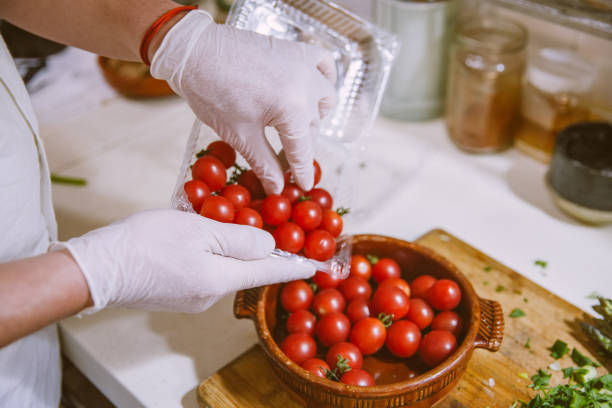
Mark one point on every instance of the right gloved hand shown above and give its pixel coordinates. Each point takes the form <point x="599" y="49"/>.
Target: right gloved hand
<point x="168" y="260"/>
<point x="238" y="82"/>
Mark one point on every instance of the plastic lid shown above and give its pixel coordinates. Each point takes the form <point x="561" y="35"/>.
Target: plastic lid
<point x="557" y="70"/>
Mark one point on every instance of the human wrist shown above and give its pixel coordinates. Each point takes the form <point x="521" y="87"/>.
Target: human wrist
<point x="158" y="37"/>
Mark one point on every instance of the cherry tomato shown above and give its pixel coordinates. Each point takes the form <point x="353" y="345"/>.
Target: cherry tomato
<point x="346" y="351"/>
<point x="333" y="328"/>
<point x="391" y="301"/>
<point x="332" y="222"/>
<point x="299" y="347"/>
<point x="436" y="346"/>
<point x="317" y="172"/>
<point x="275" y="209"/>
<point x="355" y="287"/>
<point x="448" y="320"/>
<point x="316" y="366"/>
<point x="358" y="309"/>
<point x="368" y="335"/>
<point x="385" y="268"/>
<point x="358" y="377"/>
<point x="218" y="208"/>
<point x="445" y="294"/>
<point x="222" y="151"/>
<point x="319" y="245"/>
<point x="301" y="321"/>
<point x="398" y="283"/>
<point x="403" y="338"/>
<point x="296" y="295"/>
<point x="360" y="266"/>
<point x="321" y="197"/>
<point x="238" y="195"/>
<point x="292" y="192"/>
<point x="248" y="216"/>
<point x="420" y="313"/>
<point x="325" y="280"/>
<point x="197" y="191"/>
<point x="307" y="214"/>
<point x="211" y="171"/>
<point x="420" y="286"/>
<point x="289" y="237"/>
<point x="249" y="180"/>
<point x="256" y="205"/>
<point x="328" y="301"/>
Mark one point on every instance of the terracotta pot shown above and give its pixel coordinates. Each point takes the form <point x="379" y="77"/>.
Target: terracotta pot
<point x="133" y="86"/>
<point x="399" y="383"/>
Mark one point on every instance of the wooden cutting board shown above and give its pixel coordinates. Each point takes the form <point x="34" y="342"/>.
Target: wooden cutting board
<point x="491" y="380"/>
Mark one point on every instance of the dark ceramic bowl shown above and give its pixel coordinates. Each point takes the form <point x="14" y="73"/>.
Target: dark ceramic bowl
<point x="132" y="79"/>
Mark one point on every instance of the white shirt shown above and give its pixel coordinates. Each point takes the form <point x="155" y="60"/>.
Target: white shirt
<point x="30" y="374"/>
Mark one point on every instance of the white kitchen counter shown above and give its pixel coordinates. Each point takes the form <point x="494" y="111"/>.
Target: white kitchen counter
<point x="130" y="151"/>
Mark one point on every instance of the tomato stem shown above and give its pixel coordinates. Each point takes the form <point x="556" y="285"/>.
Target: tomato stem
<point x="304" y="198"/>
<point x="202" y="153"/>
<point x="386" y="319"/>
<point x="314" y="287"/>
<point x="372" y="258"/>
<point x="342" y="365"/>
<point x="331" y="375"/>
<point x="343" y="211"/>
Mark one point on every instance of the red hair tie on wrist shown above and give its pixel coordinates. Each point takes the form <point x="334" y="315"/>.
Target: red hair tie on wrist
<point x="154" y="29"/>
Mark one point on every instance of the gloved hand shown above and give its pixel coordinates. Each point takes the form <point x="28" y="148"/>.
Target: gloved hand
<point x="168" y="260"/>
<point x="238" y="82"/>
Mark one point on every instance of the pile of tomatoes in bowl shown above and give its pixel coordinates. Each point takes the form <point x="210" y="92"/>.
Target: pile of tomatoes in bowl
<point x="302" y="222"/>
<point x="331" y="325"/>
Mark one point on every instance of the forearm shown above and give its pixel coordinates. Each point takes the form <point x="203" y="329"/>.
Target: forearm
<point x="35" y="292"/>
<point x="113" y="28"/>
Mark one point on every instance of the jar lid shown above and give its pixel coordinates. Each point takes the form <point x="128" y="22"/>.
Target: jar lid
<point x="557" y="70"/>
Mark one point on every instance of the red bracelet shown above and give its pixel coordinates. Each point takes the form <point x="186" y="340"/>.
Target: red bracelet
<point x="154" y="29"/>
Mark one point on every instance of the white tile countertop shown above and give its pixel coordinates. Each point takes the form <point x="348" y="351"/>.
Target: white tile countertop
<point x="130" y="152"/>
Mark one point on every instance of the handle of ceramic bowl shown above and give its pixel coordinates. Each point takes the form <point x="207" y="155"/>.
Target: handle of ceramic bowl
<point x="245" y="303"/>
<point x="491" y="328"/>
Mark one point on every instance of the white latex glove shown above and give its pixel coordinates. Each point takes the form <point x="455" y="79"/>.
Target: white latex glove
<point x="238" y="82"/>
<point x="168" y="260"/>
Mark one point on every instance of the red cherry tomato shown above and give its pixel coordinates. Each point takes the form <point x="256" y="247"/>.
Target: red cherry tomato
<point x="346" y="351"/>
<point x="360" y="266"/>
<point x="391" y="301"/>
<point x="222" y="151"/>
<point x="275" y="209"/>
<point x="358" y="377"/>
<point x="316" y="366"/>
<point x="307" y="214"/>
<point x="317" y="172"/>
<point x="368" y="335"/>
<point x="403" y="338"/>
<point x="358" y="309"/>
<point x="248" y="216"/>
<point x="211" y="171"/>
<point x="333" y="328"/>
<point x="197" y="191"/>
<point x="292" y="192"/>
<point x="449" y="321"/>
<point x="436" y="346"/>
<point x="321" y="197"/>
<point x="328" y="301"/>
<point x="420" y="313"/>
<point x="301" y="321"/>
<point x="296" y="295"/>
<point x="332" y="222"/>
<point x="445" y="294"/>
<point x="398" y="283"/>
<point x="256" y="205"/>
<point x="385" y="268"/>
<point x="249" y="180"/>
<point x="299" y="347"/>
<point x="319" y="245"/>
<point x="289" y="237"/>
<point x="420" y="286"/>
<point x="355" y="287"/>
<point x="218" y="208"/>
<point x="325" y="280"/>
<point x="238" y="195"/>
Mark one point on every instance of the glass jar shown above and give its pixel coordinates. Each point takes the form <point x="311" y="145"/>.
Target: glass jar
<point x="482" y="102"/>
<point x="556" y="85"/>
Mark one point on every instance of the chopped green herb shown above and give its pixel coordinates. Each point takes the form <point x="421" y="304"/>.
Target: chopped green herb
<point x="593" y="295"/>
<point x="523" y="375"/>
<point x="540" y="380"/>
<point x="485" y="283"/>
<point x="525" y="300"/>
<point x="487" y="268"/>
<point x="581" y="359"/>
<point x="516" y="312"/>
<point x="500" y="288"/>
<point x="518" y="292"/>
<point x="528" y="343"/>
<point x="559" y="349"/>
<point x="73" y="181"/>
<point x="540" y="263"/>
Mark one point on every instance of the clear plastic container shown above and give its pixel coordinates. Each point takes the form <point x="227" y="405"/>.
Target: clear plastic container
<point x="363" y="55"/>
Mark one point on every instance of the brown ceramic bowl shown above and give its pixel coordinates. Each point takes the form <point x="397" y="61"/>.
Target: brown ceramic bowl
<point x="132" y="79"/>
<point x="400" y="383"/>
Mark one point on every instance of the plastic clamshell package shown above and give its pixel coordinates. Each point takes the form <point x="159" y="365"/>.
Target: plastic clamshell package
<point x="363" y="55"/>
